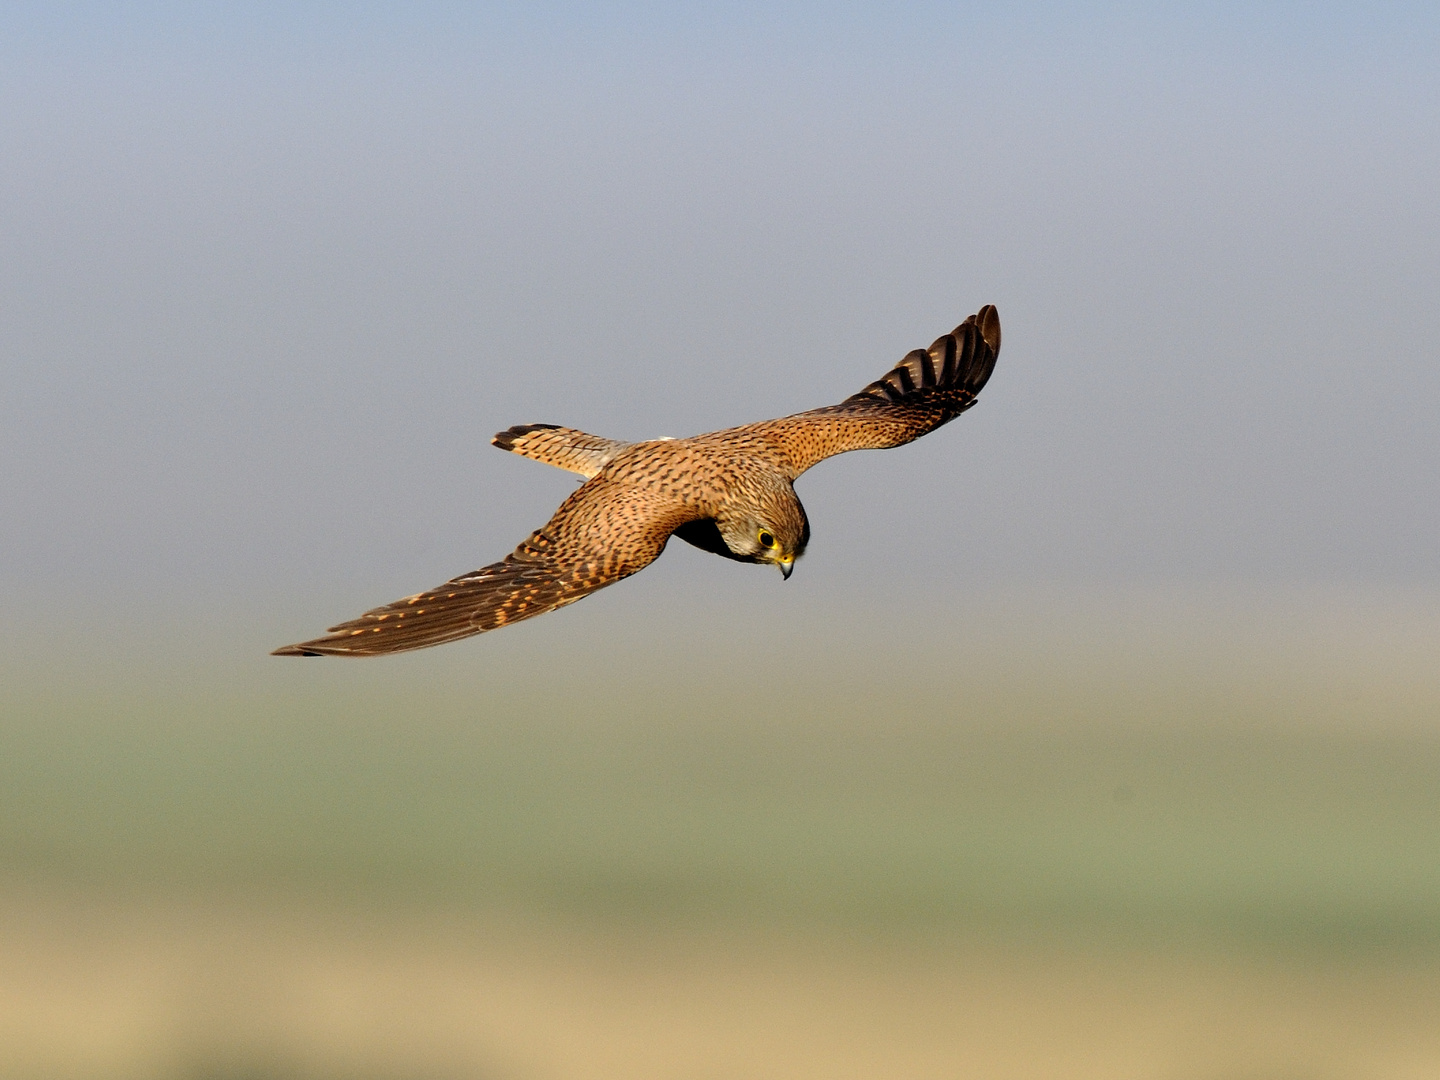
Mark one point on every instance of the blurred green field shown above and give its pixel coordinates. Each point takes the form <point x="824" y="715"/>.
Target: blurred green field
<point x="1225" y="803"/>
<point x="1288" y="839"/>
<point x="1147" y="784"/>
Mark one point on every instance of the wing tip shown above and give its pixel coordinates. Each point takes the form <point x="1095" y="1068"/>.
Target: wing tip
<point x="302" y="649"/>
<point x="961" y="360"/>
<point x="987" y="321"/>
<point x="985" y="324"/>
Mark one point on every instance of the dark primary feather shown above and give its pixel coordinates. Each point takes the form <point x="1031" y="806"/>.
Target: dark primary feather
<point x="954" y="369"/>
<point x="928" y="388"/>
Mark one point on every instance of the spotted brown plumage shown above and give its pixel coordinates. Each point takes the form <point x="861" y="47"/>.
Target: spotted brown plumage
<point x="729" y="492"/>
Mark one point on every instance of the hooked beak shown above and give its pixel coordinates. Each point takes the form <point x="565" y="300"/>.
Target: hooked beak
<point x="786" y="567"/>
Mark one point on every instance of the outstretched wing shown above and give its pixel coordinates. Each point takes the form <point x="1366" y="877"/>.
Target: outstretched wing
<point x="926" y="389"/>
<point x="604" y="532"/>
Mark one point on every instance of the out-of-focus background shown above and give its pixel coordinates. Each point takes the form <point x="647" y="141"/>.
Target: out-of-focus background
<point x="1097" y="735"/>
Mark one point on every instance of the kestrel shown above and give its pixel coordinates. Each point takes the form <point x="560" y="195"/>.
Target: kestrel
<point x="729" y="492"/>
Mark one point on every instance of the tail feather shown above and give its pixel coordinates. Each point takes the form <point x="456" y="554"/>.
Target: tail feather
<point x="565" y="448"/>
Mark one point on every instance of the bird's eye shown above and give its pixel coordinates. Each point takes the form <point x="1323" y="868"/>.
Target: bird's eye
<point x="766" y="539"/>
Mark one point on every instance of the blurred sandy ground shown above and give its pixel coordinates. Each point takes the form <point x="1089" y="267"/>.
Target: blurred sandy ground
<point x="207" y="989"/>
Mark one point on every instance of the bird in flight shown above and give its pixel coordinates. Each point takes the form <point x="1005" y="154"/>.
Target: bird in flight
<point x="729" y="492"/>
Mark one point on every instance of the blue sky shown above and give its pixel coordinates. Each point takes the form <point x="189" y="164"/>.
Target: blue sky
<point x="274" y="276"/>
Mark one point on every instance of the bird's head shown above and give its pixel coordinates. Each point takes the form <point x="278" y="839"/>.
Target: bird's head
<point x="765" y="523"/>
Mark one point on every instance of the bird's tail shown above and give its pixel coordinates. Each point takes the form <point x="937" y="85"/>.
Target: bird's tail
<point x="563" y="447"/>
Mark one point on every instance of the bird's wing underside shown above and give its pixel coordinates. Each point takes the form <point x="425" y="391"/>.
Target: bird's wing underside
<point x="926" y="389"/>
<point x="604" y="532"/>
<point x="562" y="447"/>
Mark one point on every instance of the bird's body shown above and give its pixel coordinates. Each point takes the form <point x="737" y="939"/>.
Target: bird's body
<point x="728" y="492"/>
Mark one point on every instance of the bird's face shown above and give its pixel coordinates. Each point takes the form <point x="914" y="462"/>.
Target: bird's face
<point x="770" y="528"/>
